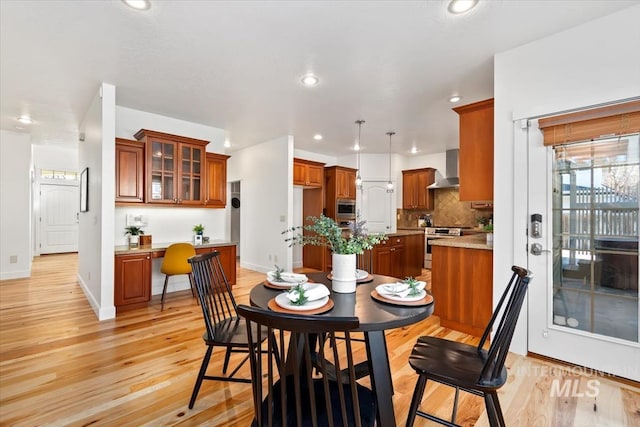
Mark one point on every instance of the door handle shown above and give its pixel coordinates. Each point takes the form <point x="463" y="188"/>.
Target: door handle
<point x="536" y="249"/>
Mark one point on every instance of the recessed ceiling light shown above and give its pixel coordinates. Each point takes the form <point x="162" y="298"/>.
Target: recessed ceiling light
<point x="310" y="80"/>
<point x="461" y="6"/>
<point x="227" y="144"/>
<point x="414" y="150"/>
<point x="24" y="119"/>
<point x="356" y="146"/>
<point x="138" y="4"/>
<point x="317" y="137"/>
<point x="455" y="98"/>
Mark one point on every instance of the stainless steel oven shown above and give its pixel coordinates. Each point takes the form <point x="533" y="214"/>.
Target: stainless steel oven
<point x="345" y="209"/>
<point x="433" y="233"/>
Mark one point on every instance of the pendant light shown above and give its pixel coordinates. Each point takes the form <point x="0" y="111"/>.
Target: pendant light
<point x="389" y="183"/>
<point x="358" y="177"/>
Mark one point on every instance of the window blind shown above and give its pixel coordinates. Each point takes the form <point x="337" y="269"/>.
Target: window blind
<point x="612" y="120"/>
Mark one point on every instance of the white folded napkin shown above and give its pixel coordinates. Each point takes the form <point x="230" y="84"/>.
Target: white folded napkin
<point x="399" y="289"/>
<point x="313" y="291"/>
<point x="290" y="277"/>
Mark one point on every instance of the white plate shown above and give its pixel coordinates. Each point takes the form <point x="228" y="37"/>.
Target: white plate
<point x="283" y="283"/>
<point x="284" y="302"/>
<point x="418" y="297"/>
<point x="361" y="274"/>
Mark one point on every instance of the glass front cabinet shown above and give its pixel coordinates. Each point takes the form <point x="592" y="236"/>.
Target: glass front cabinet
<point x="175" y="168"/>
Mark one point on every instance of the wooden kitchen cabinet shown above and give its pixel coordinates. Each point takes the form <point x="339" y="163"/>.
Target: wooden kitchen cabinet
<point x="307" y="173"/>
<point x="389" y="257"/>
<point x="414" y="255"/>
<point x="175" y="168"/>
<point x="129" y="171"/>
<point x="227" y="259"/>
<point x="415" y="194"/>
<point x="132" y="281"/>
<point x="476" y="151"/>
<point x="340" y="183"/>
<point x="216" y="180"/>
<point x="462" y="287"/>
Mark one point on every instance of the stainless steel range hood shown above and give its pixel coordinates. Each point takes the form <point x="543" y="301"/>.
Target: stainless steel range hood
<point x="451" y="172"/>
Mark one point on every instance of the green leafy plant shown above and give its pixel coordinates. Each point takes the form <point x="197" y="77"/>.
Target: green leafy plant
<point x="324" y="231"/>
<point x="133" y="230"/>
<point x="488" y="228"/>
<point x="484" y="220"/>
<point x="198" y="229"/>
<point x="297" y="295"/>
<point x="277" y="274"/>
<point x="413" y="285"/>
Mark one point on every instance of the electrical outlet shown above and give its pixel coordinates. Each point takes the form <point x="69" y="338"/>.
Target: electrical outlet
<point x="269" y="257"/>
<point x="275" y="258"/>
<point x="13" y="259"/>
<point x="89" y="276"/>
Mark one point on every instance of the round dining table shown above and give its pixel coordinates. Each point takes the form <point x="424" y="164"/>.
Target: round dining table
<point x="375" y="318"/>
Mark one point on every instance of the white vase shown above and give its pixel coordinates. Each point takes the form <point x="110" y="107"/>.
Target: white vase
<point x="490" y="239"/>
<point x="134" y="241"/>
<point x="343" y="272"/>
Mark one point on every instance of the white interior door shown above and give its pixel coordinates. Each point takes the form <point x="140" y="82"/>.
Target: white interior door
<point x="58" y="218"/>
<point x="377" y="207"/>
<point x="583" y="301"/>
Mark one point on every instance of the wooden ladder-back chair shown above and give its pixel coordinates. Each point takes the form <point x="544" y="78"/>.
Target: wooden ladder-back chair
<point x="223" y="326"/>
<point x="287" y="391"/>
<point x="471" y="368"/>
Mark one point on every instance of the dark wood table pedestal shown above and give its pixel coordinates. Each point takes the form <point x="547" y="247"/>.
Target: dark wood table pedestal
<point x="375" y="317"/>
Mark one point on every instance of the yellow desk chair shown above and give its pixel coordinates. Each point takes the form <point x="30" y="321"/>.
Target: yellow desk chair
<point x="175" y="263"/>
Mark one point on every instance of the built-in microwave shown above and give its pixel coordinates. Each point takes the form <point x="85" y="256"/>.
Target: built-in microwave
<point x="345" y="209"/>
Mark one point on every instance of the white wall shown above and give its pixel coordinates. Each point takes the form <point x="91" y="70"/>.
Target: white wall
<point x="52" y="157"/>
<point x="130" y="121"/>
<point x="15" y="205"/>
<point x="266" y="174"/>
<point x="95" y="246"/>
<point x="583" y="66"/>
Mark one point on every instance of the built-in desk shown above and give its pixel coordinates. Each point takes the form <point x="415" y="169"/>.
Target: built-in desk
<point x="133" y="270"/>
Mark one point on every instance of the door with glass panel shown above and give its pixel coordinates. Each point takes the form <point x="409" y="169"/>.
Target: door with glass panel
<point x="583" y="251"/>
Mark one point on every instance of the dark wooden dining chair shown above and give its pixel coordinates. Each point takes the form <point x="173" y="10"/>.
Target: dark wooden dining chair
<point x="223" y="326"/>
<point x="471" y="368"/>
<point x="287" y="391"/>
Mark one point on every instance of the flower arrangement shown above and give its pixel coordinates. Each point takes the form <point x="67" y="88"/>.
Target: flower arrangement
<point x="326" y="232"/>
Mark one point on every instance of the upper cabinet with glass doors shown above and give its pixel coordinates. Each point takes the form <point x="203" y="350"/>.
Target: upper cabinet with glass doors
<point x="175" y="168"/>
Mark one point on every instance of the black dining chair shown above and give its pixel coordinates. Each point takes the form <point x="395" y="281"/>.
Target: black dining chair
<point x="471" y="368"/>
<point x="287" y="391"/>
<point x="223" y="326"/>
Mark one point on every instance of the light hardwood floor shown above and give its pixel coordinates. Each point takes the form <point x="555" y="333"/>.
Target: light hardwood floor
<point x="60" y="366"/>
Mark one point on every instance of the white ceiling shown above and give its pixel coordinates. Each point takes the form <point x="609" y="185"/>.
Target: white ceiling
<point x="237" y="65"/>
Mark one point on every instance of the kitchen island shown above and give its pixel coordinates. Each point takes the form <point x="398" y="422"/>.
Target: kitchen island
<point x="133" y="270"/>
<point x="462" y="282"/>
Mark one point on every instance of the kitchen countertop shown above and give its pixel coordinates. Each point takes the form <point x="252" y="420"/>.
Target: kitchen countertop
<point x="161" y="247"/>
<point x="406" y="232"/>
<point x="472" y="241"/>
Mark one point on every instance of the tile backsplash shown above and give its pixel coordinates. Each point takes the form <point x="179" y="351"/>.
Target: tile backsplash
<point x="448" y="210"/>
